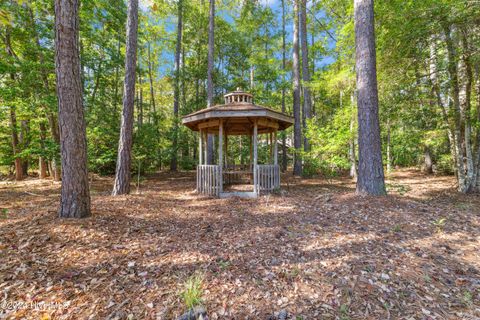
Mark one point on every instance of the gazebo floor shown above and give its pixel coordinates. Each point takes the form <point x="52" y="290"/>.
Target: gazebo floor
<point x="238" y="190"/>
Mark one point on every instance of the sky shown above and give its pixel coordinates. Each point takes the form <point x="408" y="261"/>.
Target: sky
<point x="275" y="5"/>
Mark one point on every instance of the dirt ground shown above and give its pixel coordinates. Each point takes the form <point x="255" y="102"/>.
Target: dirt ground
<point x="315" y="249"/>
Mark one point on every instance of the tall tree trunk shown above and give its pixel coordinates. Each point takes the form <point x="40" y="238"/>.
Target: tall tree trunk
<point x="440" y="101"/>
<point x="370" y="167"/>
<point x="351" y="142"/>
<point x="150" y="78"/>
<point x="51" y="117"/>
<point x="25" y="142"/>
<point x="54" y="131"/>
<point x="117" y="78"/>
<point x="307" y="100"/>
<point x="211" y="43"/>
<point x="297" y="165"/>
<point x="140" y="98"/>
<point x="13" y="114"/>
<point x="455" y="94"/>
<point x="465" y="95"/>
<point x="122" y="173"/>
<point x="176" y="93"/>
<point x="284" y="64"/>
<point x="75" y="195"/>
<point x="42" y="163"/>
<point x="389" y="147"/>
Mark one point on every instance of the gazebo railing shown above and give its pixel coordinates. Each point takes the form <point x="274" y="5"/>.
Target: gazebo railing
<point x="209" y="179"/>
<point x="268" y="177"/>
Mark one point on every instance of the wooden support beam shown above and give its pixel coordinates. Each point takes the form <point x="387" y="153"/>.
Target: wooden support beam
<point x="220" y="156"/>
<point x="275" y="148"/>
<point x="255" y="150"/>
<point x="208" y="124"/>
<point x="200" y="147"/>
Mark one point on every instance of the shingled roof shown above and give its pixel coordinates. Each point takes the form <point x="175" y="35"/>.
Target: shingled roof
<point x="238" y="115"/>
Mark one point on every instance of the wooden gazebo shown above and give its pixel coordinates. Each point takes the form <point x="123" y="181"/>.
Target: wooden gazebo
<point x="238" y="116"/>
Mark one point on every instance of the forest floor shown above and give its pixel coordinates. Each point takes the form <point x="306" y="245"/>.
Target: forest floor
<point x="315" y="250"/>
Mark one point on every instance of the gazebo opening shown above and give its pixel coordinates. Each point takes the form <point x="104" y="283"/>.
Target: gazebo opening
<point x="229" y="122"/>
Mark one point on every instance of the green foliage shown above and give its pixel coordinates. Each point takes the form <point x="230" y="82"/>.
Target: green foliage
<point x="192" y="293"/>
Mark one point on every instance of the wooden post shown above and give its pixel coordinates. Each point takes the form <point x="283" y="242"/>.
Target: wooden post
<point x="220" y="156"/>
<point x="200" y="148"/>
<point x="226" y="149"/>
<point x="271" y="147"/>
<point x="275" y="148"/>
<point x="255" y="178"/>
<point x="205" y="149"/>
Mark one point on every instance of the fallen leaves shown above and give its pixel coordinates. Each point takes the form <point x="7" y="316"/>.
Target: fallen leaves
<point x="315" y="251"/>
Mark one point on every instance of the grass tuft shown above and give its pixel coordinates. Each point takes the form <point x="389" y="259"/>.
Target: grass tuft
<point x="192" y="292"/>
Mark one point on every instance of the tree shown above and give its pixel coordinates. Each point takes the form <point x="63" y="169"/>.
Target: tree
<point x="307" y="101"/>
<point x="176" y="95"/>
<point x="122" y="173"/>
<point x="75" y="195"/>
<point x="297" y="165"/>
<point x="370" y="167"/>
<point x="211" y="55"/>
<point x="284" y="69"/>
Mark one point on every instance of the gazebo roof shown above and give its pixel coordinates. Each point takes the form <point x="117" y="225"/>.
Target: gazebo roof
<point x="238" y="115"/>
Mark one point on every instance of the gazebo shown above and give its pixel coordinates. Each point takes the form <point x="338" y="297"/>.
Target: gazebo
<point x="238" y="116"/>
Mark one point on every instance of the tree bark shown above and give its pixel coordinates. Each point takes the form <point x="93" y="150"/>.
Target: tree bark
<point x="351" y="142"/>
<point x="13" y="115"/>
<point x="176" y="93"/>
<point x="152" y="91"/>
<point x="24" y="142"/>
<point x="42" y="164"/>
<point x="297" y="139"/>
<point x="307" y="100"/>
<point x="457" y="113"/>
<point x="370" y="167"/>
<point x="211" y="43"/>
<point x="75" y="195"/>
<point x="122" y="173"/>
<point x="284" y="64"/>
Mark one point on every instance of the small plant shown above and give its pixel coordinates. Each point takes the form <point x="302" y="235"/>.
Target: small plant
<point x="440" y="224"/>
<point x="467" y="298"/>
<point x="344" y="312"/>
<point x="397" y="228"/>
<point x="223" y="264"/>
<point x="4" y="214"/>
<point x="192" y="292"/>
<point x="400" y="188"/>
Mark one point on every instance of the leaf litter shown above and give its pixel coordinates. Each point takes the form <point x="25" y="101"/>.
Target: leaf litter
<point x="314" y="251"/>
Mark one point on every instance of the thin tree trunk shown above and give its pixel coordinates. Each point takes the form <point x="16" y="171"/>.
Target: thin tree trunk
<point x="455" y="92"/>
<point x="465" y="94"/>
<point x="13" y="114"/>
<point x="117" y="78"/>
<point x="24" y="142"/>
<point x="75" y="195"/>
<point x="284" y="63"/>
<point x="297" y="165"/>
<point x="42" y="164"/>
<point x="211" y="43"/>
<point x="54" y="130"/>
<point x="370" y="167"/>
<point x="307" y="100"/>
<point x="122" y="173"/>
<point x="176" y="94"/>
<point x="140" y="99"/>
<point x="150" y="78"/>
<point x="389" y="150"/>
<point x="351" y="143"/>
<point x="443" y="107"/>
